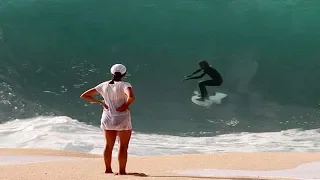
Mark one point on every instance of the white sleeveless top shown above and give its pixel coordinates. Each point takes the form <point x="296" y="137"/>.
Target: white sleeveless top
<point x="114" y="96"/>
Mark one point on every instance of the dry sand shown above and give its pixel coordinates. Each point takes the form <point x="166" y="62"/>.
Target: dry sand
<point x="91" y="167"/>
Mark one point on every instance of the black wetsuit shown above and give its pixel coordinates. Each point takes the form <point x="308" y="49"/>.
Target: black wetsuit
<point x="216" y="79"/>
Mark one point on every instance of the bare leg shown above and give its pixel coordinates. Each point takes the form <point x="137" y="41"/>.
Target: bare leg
<point x="124" y="137"/>
<point x="110" y="137"/>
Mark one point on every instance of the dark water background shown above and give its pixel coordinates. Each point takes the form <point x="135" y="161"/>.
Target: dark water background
<point x="267" y="52"/>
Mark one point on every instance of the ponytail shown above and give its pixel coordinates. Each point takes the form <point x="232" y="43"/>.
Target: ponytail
<point x="116" y="77"/>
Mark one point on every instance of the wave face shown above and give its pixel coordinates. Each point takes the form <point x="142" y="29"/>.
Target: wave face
<point x="266" y="51"/>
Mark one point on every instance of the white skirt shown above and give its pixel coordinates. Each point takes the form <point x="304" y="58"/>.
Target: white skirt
<point x="118" y="121"/>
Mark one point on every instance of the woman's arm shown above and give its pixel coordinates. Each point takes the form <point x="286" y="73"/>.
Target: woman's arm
<point x="130" y="99"/>
<point x="88" y="95"/>
<point x="130" y="95"/>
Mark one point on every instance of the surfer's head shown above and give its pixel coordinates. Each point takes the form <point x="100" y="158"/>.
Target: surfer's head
<point x="118" y="71"/>
<point x="203" y="64"/>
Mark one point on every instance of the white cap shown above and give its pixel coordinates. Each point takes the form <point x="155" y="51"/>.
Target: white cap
<point x="118" y="68"/>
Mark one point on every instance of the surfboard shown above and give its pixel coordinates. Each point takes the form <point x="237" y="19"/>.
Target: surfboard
<point x="216" y="99"/>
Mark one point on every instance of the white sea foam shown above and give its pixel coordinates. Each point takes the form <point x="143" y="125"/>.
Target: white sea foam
<point x="62" y="132"/>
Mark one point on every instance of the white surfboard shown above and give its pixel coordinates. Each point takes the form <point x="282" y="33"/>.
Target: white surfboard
<point x="208" y="102"/>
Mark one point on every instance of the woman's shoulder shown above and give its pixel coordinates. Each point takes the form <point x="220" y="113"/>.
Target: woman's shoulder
<point x="104" y="83"/>
<point x="125" y="84"/>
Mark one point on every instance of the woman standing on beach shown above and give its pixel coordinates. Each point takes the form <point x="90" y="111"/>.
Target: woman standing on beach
<point x="116" y="117"/>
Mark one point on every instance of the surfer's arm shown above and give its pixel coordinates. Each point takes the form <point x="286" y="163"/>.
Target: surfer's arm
<point x="88" y="95"/>
<point x="196" y="77"/>
<point x="197" y="71"/>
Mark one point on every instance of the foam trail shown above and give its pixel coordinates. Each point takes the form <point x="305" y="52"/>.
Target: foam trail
<point x="62" y="132"/>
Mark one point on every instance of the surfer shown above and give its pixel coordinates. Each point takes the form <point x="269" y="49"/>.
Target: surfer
<point x="116" y="117"/>
<point x="216" y="79"/>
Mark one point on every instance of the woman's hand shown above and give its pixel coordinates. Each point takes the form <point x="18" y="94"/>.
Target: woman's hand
<point x="103" y="104"/>
<point x="123" y="108"/>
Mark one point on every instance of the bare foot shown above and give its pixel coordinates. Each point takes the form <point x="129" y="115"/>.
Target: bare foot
<point x="108" y="171"/>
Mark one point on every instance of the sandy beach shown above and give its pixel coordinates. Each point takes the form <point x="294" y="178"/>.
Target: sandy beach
<point x="82" y="166"/>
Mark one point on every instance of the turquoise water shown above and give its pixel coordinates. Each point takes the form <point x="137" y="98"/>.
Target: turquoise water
<point x="266" y="51"/>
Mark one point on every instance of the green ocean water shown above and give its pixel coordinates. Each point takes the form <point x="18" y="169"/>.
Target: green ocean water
<point x="266" y="50"/>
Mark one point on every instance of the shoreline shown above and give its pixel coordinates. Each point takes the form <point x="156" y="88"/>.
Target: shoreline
<point x="89" y="166"/>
